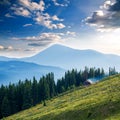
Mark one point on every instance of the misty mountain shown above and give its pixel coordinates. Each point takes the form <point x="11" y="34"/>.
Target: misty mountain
<point x="2" y="58"/>
<point x="67" y="58"/>
<point x="56" y="55"/>
<point x="12" y="71"/>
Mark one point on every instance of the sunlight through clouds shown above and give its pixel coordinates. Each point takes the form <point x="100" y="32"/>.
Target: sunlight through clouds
<point x="106" y="19"/>
<point x="33" y="25"/>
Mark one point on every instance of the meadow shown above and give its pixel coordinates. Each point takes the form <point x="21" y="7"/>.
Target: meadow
<point x="99" y="101"/>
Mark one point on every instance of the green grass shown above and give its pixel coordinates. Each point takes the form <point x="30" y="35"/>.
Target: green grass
<point x="100" y="101"/>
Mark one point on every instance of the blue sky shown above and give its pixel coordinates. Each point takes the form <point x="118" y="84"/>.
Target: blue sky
<point x="29" y="26"/>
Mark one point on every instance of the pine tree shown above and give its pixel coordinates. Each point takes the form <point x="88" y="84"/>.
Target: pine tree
<point x="78" y="78"/>
<point x="12" y="98"/>
<point x="92" y="73"/>
<point x="51" y="82"/>
<point x="59" y="86"/>
<point x="34" y="91"/>
<point x="44" y="88"/>
<point x="72" y="78"/>
<point x="27" y="97"/>
<point x="2" y="94"/>
<point x="19" y="95"/>
<point x="5" y="107"/>
<point x="102" y="72"/>
<point x="85" y="74"/>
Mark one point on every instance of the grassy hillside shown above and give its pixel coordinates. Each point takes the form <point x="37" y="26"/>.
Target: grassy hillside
<point x="100" y="101"/>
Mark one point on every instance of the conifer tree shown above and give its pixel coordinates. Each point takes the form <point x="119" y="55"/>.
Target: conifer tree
<point x="27" y="97"/>
<point x="34" y="91"/>
<point x="5" y="107"/>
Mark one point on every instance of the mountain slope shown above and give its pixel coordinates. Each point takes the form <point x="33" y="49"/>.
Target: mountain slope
<point x="12" y="71"/>
<point x="99" y="101"/>
<point x="2" y="58"/>
<point x="65" y="57"/>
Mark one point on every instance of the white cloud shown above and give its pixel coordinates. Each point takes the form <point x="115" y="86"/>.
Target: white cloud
<point x="55" y="18"/>
<point x="50" y="36"/>
<point x="42" y="5"/>
<point x="43" y="39"/>
<point x="46" y="39"/>
<point x="8" y="15"/>
<point x="1" y="47"/>
<point x="71" y="33"/>
<point x="8" y="48"/>
<point x="26" y="25"/>
<point x="25" y="2"/>
<point x="60" y="26"/>
<point x="12" y="49"/>
<point x="63" y="4"/>
<point x="106" y="19"/>
<point x="35" y="11"/>
<point x="33" y="5"/>
<point x="106" y="4"/>
<point x="20" y="11"/>
<point x="46" y="20"/>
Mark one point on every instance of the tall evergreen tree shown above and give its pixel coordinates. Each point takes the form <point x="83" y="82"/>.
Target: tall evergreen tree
<point x="78" y="78"/>
<point x="12" y="98"/>
<point x="5" y="107"/>
<point x="27" y="97"/>
<point x="2" y="94"/>
<point x="34" y="91"/>
<point x="85" y="73"/>
<point x="44" y="88"/>
<point x="92" y="73"/>
<point x="19" y="94"/>
<point x="51" y="84"/>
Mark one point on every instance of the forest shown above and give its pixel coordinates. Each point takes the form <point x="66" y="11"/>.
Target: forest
<point x="25" y="94"/>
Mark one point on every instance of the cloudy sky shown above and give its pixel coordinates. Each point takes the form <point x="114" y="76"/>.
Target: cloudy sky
<point x="29" y="26"/>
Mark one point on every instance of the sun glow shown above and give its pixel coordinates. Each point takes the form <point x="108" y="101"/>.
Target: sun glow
<point x="100" y="13"/>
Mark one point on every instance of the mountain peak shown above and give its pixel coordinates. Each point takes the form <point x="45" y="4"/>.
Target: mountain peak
<point x="63" y="47"/>
<point x="68" y="58"/>
<point x="59" y="46"/>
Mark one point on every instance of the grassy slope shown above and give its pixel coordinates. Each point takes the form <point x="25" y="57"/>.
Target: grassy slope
<point x="100" y="101"/>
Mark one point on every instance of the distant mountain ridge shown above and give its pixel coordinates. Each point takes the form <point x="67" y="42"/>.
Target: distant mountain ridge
<point x="2" y="58"/>
<point x="68" y="58"/>
<point x="12" y="71"/>
<point x="64" y="58"/>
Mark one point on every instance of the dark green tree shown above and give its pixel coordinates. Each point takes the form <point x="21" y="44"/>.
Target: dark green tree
<point x="5" y="107"/>
<point x="92" y="73"/>
<point x="34" y="91"/>
<point x="51" y="82"/>
<point x="19" y="94"/>
<point x="44" y="90"/>
<point x="2" y="94"/>
<point x="79" y="78"/>
<point x="12" y="98"/>
<point x="27" y="97"/>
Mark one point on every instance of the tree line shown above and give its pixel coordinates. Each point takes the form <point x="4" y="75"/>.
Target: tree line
<point x="28" y="93"/>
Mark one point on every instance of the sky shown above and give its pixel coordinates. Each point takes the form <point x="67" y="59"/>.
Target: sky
<point x="30" y="26"/>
